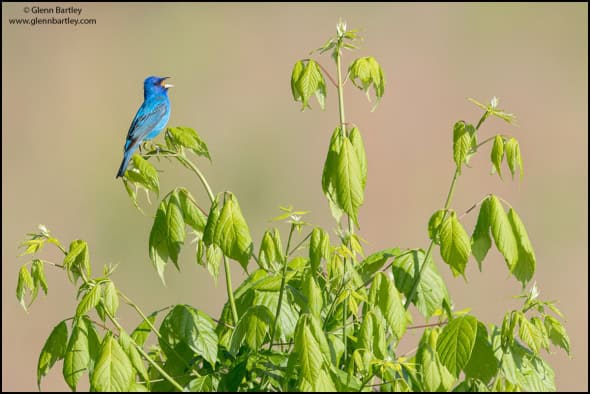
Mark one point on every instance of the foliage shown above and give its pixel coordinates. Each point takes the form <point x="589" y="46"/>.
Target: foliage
<point x="314" y="313"/>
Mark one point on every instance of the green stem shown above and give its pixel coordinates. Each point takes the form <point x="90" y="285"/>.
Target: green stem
<point x="340" y="94"/>
<point x="282" y="291"/>
<point x="228" y="284"/>
<point x="446" y="209"/>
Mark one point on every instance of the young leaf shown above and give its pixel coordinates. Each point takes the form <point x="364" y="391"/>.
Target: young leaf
<point x="368" y="72"/>
<point x="483" y="364"/>
<point x="435" y="376"/>
<point x="189" y="138"/>
<point x="142" y="331"/>
<point x="77" y="358"/>
<point x="229" y="231"/>
<point x="174" y="227"/>
<point x="557" y="334"/>
<point x="158" y="242"/>
<point x="89" y="301"/>
<point x="434" y="225"/>
<point x="455" y="246"/>
<point x="456" y="342"/>
<point x="77" y="261"/>
<point x="524" y="268"/>
<point x="144" y="174"/>
<point x="498" y="154"/>
<point x="356" y="140"/>
<point x="330" y="173"/>
<point x="502" y="232"/>
<point x="308" y="352"/>
<point x="481" y="240"/>
<point x="189" y="326"/>
<point x="463" y="135"/>
<point x="513" y="156"/>
<point x="309" y="80"/>
<point x="313" y="294"/>
<point x="191" y="213"/>
<point x="529" y="333"/>
<point x="110" y="298"/>
<point x="25" y="281"/>
<point x="388" y="301"/>
<point x="128" y="347"/>
<point x="38" y="274"/>
<point x="113" y="370"/>
<point x="529" y="372"/>
<point x="53" y="350"/>
<point x="431" y="290"/>
<point x="348" y="181"/>
<point x="319" y="247"/>
<point x="252" y="328"/>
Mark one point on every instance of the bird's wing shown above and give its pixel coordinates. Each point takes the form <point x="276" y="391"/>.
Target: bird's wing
<point x="148" y="116"/>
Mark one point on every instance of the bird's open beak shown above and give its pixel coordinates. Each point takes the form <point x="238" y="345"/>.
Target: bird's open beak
<point x="166" y="85"/>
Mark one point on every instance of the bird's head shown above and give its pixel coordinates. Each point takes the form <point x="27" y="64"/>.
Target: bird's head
<point x="155" y="85"/>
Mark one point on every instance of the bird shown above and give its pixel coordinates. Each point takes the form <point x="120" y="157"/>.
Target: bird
<point x="150" y="119"/>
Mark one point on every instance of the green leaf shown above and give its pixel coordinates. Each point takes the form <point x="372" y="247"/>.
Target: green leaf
<point x="434" y="225"/>
<point x="295" y="75"/>
<point x="53" y="350"/>
<point x="142" y="331"/>
<point x="375" y="262"/>
<point x="348" y="181"/>
<point x="455" y="246"/>
<point x="90" y="300"/>
<point x="481" y="240"/>
<point x="289" y="313"/>
<point x="456" y="342"/>
<point x="431" y="290"/>
<point x="113" y="370"/>
<point x="365" y="72"/>
<point x="174" y="227"/>
<point x="252" y="329"/>
<point x="38" y="275"/>
<point x="77" y="261"/>
<point x="128" y="347"/>
<point x="435" y="376"/>
<point x="319" y="247"/>
<point x="308" y="352"/>
<point x="498" y="154"/>
<point x="158" y="243"/>
<point x="330" y="173"/>
<point x="557" y="334"/>
<point x="110" y="298"/>
<point x="529" y="333"/>
<point x="312" y="292"/>
<point x="483" y="364"/>
<point x="228" y="230"/>
<point x="311" y="81"/>
<point x="191" y="213"/>
<point x="356" y="140"/>
<point x="524" y="268"/>
<point x="502" y="232"/>
<point x="522" y="368"/>
<point x="144" y="174"/>
<point x="387" y="299"/>
<point x="189" y="138"/>
<point x="77" y="358"/>
<point x="513" y="156"/>
<point x="463" y="135"/>
<point x="214" y="257"/>
<point x="206" y="383"/>
<point x="25" y="281"/>
<point x="189" y="326"/>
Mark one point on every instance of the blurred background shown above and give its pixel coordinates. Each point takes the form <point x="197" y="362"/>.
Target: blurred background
<point x="69" y="94"/>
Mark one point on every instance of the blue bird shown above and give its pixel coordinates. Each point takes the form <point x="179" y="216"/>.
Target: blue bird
<point x="150" y="120"/>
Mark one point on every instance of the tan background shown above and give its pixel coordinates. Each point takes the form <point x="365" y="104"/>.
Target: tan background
<point x="69" y="94"/>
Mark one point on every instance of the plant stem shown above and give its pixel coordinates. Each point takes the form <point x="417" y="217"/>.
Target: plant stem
<point x="289" y="253"/>
<point x="446" y="209"/>
<point x="282" y="291"/>
<point x="228" y="284"/>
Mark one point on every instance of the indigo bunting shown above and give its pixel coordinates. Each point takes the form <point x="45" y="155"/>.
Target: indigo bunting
<point x="150" y="120"/>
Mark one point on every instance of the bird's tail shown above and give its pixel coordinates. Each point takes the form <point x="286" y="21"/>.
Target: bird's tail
<point x="126" y="157"/>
